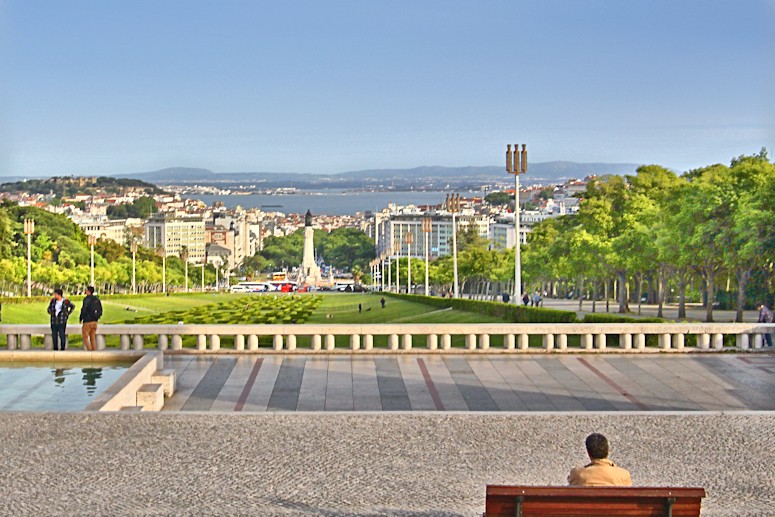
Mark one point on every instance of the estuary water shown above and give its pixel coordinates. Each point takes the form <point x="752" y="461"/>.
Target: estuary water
<point x="329" y="202"/>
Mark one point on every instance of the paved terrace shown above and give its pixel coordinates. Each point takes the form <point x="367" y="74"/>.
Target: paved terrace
<point x="433" y="382"/>
<point x="371" y="464"/>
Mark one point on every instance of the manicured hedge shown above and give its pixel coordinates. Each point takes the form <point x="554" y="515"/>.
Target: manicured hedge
<point x="509" y="312"/>
<point x="20" y="300"/>
<point x="615" y="318"/>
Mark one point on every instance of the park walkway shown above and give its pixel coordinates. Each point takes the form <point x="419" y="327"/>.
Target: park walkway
<point x="255" y="383"/>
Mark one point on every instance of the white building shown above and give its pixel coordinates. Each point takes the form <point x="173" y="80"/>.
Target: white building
<point x="172" y="233"/>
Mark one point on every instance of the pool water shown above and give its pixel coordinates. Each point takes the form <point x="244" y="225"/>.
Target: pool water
<point x="69" y="387"/>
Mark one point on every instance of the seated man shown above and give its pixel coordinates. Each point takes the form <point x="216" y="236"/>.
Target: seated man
<point x="601" y="471"/>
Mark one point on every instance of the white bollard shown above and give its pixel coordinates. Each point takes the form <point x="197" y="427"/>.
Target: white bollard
<point x="100" y="341"/>
<point x="25" y="341"/>
<point x="177" y="342"/>
<point x="330" y="341"/>
<point x="124" y="341"/>
<point x="758" y="341"/>
<point x="406" y="342"/>
<point x="201" y="342"/>
<point x="316" y="342"/>
<point x="163" y="341"/>
<point x="664" y="341"/>
<point x="277" y="342"/>
<point x="446" y="342"/>
<point x="718" y="341"/>
<point x="368" y="342"/>
<point x="290" y="343"/>
<point x="704" y="341"/>
<point x="640" y="341"/>
<point x="600" y="341"/>
<point x="11" y="341"/>
<point x="393" y="342"/>
<point x="48" y="342"/>
<point x="547" y="341"/>
<point x="678" y="341"/>
<point x="239" y="342"/>
<point x="562" y="341"/>
<point x="523" y="341"/>
<point x="471" y="341"/>
<point x="587" y="341"/>
<point x="355" y="342"/>
<point x="252" y="342"/>
<point x="137" y="342"/>
<point x="432" y="341"/>
<point x="625" y="341"/>
<point x="509" y="341"/>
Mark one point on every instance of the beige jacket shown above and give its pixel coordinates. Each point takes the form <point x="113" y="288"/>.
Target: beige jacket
<point x="601" y="472"/>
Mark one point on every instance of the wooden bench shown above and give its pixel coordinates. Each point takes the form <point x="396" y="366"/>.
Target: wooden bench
<point x="526" y="501"/>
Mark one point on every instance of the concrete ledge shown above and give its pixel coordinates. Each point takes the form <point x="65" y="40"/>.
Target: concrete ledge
<point x="123" y="392"/>
<point x="465" y="351"/>
<point x="150" y="397"/>
<point x="68" y="356"/>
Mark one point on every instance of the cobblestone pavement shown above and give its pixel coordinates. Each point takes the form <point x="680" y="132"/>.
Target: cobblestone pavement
<point x="341" y="464"/>
<point x="428" y="382"/>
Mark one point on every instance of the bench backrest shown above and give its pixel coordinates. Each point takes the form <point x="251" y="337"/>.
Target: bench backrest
<point x="527" y="501"/>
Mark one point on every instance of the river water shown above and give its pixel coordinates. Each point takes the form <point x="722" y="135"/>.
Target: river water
<point x="329" y="202"/>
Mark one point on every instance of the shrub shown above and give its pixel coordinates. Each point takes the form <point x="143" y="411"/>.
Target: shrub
<point x="508" y="312"/>
<point x="615" y="318"/>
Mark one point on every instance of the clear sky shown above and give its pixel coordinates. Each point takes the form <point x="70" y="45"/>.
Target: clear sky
<point x="102" y="87"/>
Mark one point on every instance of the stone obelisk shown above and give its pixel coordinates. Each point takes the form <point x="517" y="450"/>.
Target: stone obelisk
<point x="309" y="268"/>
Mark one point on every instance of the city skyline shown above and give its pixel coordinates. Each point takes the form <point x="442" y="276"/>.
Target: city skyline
<point x="98" y="88"/>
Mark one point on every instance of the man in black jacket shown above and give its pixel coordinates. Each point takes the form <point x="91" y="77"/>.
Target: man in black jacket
<point x="59" y="308"/>
<point x="91" y="312"/>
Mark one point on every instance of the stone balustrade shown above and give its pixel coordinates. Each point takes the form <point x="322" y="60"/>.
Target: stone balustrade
<point x="489" y="337"/>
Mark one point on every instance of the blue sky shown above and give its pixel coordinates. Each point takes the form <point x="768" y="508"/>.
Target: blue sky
<point x="101" y="87"/>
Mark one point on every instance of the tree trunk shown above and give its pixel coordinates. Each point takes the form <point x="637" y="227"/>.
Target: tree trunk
<point x="660" y="292"/>
<point x="624" y="307"/>
<point x="683" y="278"/>
<point x="594" y="296"/>
<point x="709" y="284"/>
<point x="639" y="292"/>
<point x="742" y="280"/>
<point x="607" y="303"/>
<point x="580" y="292"/>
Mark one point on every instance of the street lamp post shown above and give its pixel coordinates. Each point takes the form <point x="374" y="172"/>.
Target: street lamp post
<point x="133" y="248"/>
<point x="92" y="242"/>
<point x="389" y="272"/>
<point x="427" y="223"/>
<point x="397" y="251"/>
<point x="453" y="205"/>
<point x="516" y="164"/>
<point x="409" y="240"/>
<point x="29" y="229"/>
<point x="184" y="258"/>
<point x="203" y="275"/>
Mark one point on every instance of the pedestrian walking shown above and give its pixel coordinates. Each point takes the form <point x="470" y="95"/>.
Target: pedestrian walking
<point x="537" y="299"/>
<point x="59" y="308"/>
<point x="765" y="316"/>
<point x="382" y="302"/>
<point x="526" y="299"/>
<point x="91" y="312"/>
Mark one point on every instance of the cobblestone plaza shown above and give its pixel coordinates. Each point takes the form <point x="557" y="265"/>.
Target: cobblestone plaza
<point x="399" y="435"/>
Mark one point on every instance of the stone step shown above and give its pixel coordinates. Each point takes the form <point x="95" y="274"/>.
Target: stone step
<point x="167" y="379"/>
<point x="151" y="397"/>
<point x="131" y="409"/>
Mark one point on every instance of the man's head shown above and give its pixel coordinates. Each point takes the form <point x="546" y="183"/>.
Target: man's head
<point x="58" y="293"/>
<point x="597" y="446"/>
<point x="90" y="290"/>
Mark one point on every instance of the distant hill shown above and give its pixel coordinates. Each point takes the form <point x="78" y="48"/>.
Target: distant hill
<point x="537" y="172"/>
<point x="69" y="185"/>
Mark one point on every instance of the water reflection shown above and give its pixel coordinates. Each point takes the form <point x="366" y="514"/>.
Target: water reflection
<point x="90" y="376"/>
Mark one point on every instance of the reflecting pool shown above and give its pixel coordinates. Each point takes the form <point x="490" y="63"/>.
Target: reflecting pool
<point x="65" y="387"/>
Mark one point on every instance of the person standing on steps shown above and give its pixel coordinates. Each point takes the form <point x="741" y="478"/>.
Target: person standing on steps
<point x="59" y="308"/>
<point x="91" y="312"/>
